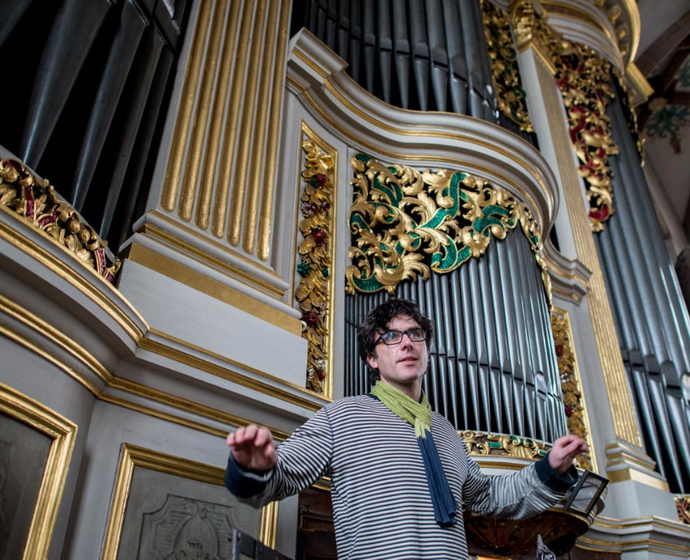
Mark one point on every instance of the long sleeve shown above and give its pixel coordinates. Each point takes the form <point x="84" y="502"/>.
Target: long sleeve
<point x="518" y="495"/>
<point x="302" y="459"/>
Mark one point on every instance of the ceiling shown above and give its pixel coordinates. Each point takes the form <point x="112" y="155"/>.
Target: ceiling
<point x="663" y="57"/>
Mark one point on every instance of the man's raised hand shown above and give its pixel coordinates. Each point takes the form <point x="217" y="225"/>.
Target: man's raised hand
<point x="564" y="451"/>
<point x="252" y="448"/>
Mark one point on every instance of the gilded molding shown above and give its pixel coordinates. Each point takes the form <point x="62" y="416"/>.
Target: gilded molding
<point x="134" y="456"/>
<point x="683" y="507"/>
<point x="504" y="69"/>
<point x="571" y="385"/>
<point x="400" y="215"/>
<point x="314" y="292"/>
<point x="205" y="284"/>
<point x="104" y="379"/>
<point x="36" y="201"/>
<point x="63" y="432"/>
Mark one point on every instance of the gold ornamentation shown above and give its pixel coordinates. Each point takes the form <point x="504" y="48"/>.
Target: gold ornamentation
<point x="315" y="289"/>
<point x="400" y="215"/>
<point x="504" y="69"/>
<point x="523" y="21"/>
<point x="683" y="507"/>
<point x="570" y="382"/>
<point x="37" y="202"/>
<point x="501" y="445"/>
<point x="584" y="80"/>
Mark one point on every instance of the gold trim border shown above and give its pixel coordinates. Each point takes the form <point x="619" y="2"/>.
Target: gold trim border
<point x="63" y="433"/>
<point x="135" y="456"/>
<point x="186" y="275"/>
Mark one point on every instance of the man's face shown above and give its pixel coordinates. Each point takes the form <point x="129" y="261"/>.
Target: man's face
<point x="402" y="365"/>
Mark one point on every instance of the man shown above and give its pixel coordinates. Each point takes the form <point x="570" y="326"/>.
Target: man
<point x="400" y="473"/>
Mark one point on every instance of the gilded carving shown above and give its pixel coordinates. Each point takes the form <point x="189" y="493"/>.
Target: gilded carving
<point x="523" y="21"/>
<point x="570" y="382"/>
<point x="501" y="445"/>
<point x="584" y="80"/>
<point x="683" y="507"/>
<point x="37" y="202"/>
<point x="406" y="223"/>
<point x="314" y="291"/>
<point x="506" y="76"/>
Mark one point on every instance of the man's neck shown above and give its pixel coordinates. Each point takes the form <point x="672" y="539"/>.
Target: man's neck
<point x="412" y="391"/>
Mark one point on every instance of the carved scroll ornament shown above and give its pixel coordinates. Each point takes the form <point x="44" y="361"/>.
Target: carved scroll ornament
<point x="37" y="202"/>
<point x="406" y="223"/>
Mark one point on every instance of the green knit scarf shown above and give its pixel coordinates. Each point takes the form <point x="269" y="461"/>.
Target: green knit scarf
<point x="418" y="414"/>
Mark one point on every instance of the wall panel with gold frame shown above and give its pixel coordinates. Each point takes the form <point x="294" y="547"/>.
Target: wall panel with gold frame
<point x="164" y="506"/>
<point x="36" y="446"/>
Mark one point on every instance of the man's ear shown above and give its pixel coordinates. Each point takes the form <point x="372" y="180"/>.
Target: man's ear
<point x="371" y="360"/>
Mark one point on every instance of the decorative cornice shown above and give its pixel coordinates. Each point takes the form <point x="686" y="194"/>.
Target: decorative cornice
<point x="37" y="202"/>
<point x="612" y="27"/>
<point x="405" y="222"/>
<point x="315" y="290"/>
<point x="359" y="119"/>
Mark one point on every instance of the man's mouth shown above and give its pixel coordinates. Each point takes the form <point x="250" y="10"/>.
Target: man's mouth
<point x="409" y="359"/>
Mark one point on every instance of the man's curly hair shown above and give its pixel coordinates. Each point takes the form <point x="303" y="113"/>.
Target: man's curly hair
<point x="377" y="321"/>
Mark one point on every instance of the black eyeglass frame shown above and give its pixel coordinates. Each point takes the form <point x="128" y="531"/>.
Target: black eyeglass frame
<point x="402" y="335"/>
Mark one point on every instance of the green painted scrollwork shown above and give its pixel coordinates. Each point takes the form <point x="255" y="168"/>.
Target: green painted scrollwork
<point x="406" y="223"/>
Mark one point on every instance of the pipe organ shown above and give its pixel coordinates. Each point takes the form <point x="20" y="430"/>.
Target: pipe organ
<point x="200" y="199"/>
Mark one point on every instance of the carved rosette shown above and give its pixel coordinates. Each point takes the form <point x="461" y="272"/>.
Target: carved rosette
<point x="501" y="445"/>
<point x="584" y="80"/>
<point x="37" y="203"/>
<point x="504" y="69"/>
<point x="683" y="507"/>
<point x="570" y="382"/>
<point x="406" y="223"/>
<point x="313" y="292"/>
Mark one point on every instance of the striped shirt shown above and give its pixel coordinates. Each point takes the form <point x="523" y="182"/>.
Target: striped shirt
<point x="381" y="503"/>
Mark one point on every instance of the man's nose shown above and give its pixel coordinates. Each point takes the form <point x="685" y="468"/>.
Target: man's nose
<point x="406" y="340"/>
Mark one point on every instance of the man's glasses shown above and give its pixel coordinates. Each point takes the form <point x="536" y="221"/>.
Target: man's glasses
<point x="391" y="338"/>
